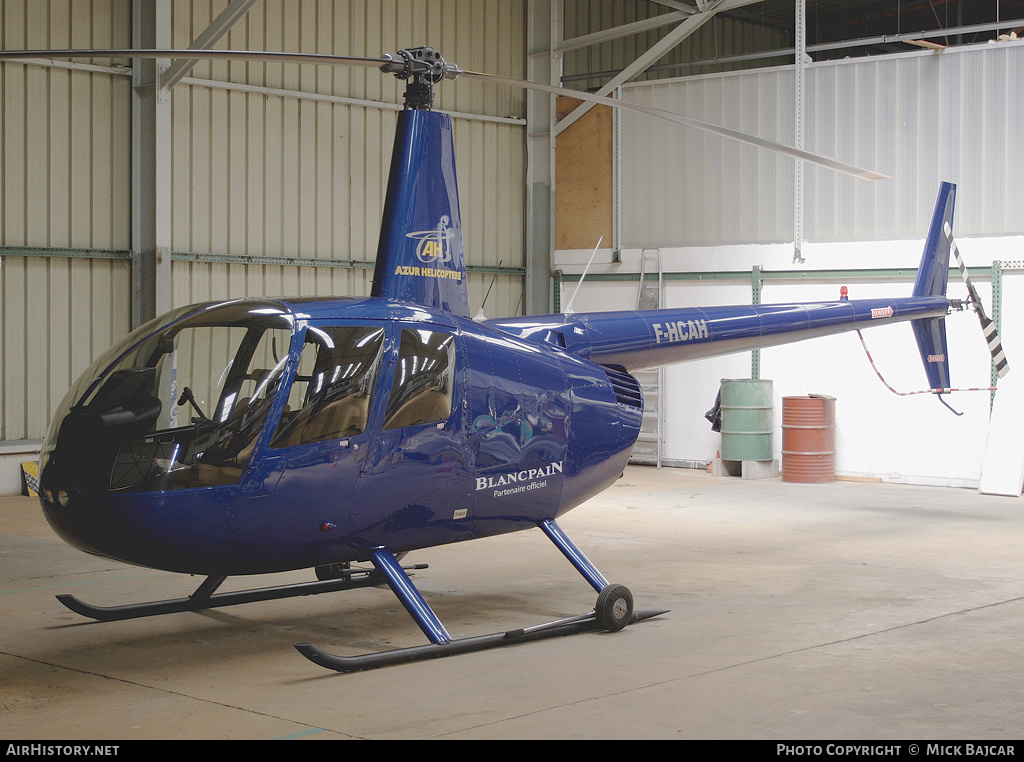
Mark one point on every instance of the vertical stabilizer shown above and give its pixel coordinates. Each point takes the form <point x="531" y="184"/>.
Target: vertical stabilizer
<point x="934" y="269"/>
<point x="420" y="256"/>
<point x="932" y="276"/>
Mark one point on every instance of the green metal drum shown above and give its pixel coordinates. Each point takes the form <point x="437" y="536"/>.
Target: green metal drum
<point x="746" y="419"/>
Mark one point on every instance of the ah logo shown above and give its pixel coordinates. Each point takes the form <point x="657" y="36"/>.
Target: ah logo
<point x="435" y="246"/>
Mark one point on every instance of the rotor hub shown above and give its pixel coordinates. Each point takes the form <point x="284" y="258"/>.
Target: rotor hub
<point x="422" y="68"/>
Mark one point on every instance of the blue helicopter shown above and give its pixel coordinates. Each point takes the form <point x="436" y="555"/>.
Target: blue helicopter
<point x="257" y="436"/>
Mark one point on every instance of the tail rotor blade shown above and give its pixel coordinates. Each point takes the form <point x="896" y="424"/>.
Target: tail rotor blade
<point x="988" y="326"/>
<point x="995" y="346"/>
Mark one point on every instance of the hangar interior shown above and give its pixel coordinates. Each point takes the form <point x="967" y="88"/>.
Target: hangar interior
<point x="255" y="179"/>
<point x="127" y="191"/>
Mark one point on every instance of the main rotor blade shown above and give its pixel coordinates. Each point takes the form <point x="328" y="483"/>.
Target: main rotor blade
<point x="258" y="56"/>
<point x="389" y="63"/>
<point x="796" y="153"/>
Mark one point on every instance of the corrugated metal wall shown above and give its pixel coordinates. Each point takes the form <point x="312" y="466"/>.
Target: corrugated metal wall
<point x="921" y="118"/>
<point x="64" y="185"/>
<point x="259" y="169"/>
<point x="272" y="173"/>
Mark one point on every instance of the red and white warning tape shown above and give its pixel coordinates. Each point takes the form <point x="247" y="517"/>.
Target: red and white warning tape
<point x="923" y="391"/>
<point x="988" y="327"/>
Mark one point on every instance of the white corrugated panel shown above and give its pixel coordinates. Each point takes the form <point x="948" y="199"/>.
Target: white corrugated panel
<point x="921" y="118"/>
<point x="682" y="186"/>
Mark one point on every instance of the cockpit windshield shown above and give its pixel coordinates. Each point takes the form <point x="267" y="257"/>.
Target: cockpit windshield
<point x="180" y="403"/>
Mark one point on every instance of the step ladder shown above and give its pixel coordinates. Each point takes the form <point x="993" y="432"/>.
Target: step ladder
<point x="648" y="448"/>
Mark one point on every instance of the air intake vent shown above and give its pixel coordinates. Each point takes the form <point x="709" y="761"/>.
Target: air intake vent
<point x="626" y="388"/>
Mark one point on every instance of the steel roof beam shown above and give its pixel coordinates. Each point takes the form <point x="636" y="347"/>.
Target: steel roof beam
<point x="688" y="26"/>
<point x="205" y="41"/>
<point x="679" y="6"/>
<point x="626" y="30"/>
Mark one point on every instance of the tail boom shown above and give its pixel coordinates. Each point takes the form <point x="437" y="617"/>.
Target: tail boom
<point x="651" y="338"/>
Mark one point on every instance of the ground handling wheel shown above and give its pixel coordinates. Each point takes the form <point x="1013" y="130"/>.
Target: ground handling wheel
<point x="614" y="609"/>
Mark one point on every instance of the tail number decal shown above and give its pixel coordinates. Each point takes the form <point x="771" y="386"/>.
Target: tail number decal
<point x="682" y="330"/>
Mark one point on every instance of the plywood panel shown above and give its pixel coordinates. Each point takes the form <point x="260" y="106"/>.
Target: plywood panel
<point x="583" y="179"/>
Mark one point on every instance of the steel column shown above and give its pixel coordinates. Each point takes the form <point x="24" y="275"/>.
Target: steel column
<point x="151" y="165"/>
<point x="997" y="313"/>
<point x="755" y="298"/>
<point x="543" y="65"/>
<point x="799" y="68"/>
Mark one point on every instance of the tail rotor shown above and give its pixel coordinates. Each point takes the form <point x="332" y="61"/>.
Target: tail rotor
<point x="988" y="326"/>
<point x="931" y="282"/>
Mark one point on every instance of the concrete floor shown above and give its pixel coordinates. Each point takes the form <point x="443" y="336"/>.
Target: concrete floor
<point x="837" y="611"/>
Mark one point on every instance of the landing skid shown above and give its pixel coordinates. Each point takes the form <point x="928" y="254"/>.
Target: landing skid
<point x="205" y="598"/>
<point x="570" y="626"/>
<point x="613" y="611"/>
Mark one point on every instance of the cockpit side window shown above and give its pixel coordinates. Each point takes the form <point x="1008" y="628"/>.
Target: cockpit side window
<point x="421" y="391"/>
<point x="330" y="397"/>
<point x="250" y="382"/>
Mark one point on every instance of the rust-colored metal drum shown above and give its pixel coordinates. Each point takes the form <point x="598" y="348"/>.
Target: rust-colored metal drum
<point x="809" y="439"/>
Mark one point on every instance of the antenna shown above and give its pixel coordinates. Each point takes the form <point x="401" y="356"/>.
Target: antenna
<point x="568" y="307"/>
<point x="480" y="315"/>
